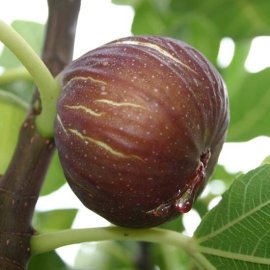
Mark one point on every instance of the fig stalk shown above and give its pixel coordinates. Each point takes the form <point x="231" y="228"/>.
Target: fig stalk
<point x="48" y="86"/>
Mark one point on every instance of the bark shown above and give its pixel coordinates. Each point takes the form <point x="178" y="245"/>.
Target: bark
<point x="20" y="185"/>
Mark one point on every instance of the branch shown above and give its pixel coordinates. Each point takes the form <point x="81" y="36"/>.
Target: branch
<point x="20" y="185"/>
<point x="61" y="28"/>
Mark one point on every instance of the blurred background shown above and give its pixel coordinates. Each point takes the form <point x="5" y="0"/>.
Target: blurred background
<point x="234" y="35"/>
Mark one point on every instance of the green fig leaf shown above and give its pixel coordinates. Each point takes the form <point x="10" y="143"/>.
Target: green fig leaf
<point x="235" y="234"/>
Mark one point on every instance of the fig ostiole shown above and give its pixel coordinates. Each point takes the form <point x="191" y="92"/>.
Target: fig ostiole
<point x="139" y="128"/>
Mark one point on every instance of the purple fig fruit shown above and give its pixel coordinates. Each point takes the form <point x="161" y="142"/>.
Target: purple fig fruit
<point x="139" y="128"/>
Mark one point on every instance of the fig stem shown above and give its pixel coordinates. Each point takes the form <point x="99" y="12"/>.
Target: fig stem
<point x="13" y="99"/>
<point x="15" y="74"/>
<point x="50" y="241"/>
<point x="48" y="86"/>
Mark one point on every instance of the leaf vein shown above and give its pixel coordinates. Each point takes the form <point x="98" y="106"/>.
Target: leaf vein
<point x="238" y="219"/>
<point x="234" y="256"/>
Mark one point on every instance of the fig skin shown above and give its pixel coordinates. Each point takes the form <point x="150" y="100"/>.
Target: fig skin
<point x="139" y="128"/>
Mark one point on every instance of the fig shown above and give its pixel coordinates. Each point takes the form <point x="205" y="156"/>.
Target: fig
<point x="139" y="128"/>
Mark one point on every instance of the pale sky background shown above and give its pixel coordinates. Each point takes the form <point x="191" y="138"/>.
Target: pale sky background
<point x="99" y="22"/>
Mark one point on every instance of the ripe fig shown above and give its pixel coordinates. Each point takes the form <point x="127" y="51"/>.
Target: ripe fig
<point x="140" y="124"/>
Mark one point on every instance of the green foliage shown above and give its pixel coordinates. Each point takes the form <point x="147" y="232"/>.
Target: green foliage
<point x="47" y="261"/>
<point x="11" y="119"/>
<point x="220" y="173"/>
<point x="32" y="32"/>
<point x="266" y="160"/>
<point x="235" y="234"/>
<point x="127" y="2"/>
<point x="107" y="256"/>
<point x="170" y="258"/>
<point x="175" y="225"/>
<point x="54" y="220"/>
<point x="238" y="20"/>
<point x="201" y="23"/>
<point x="250" y="118"/>
<point x="249" y="97"/>
<point x="55" y="176"/>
